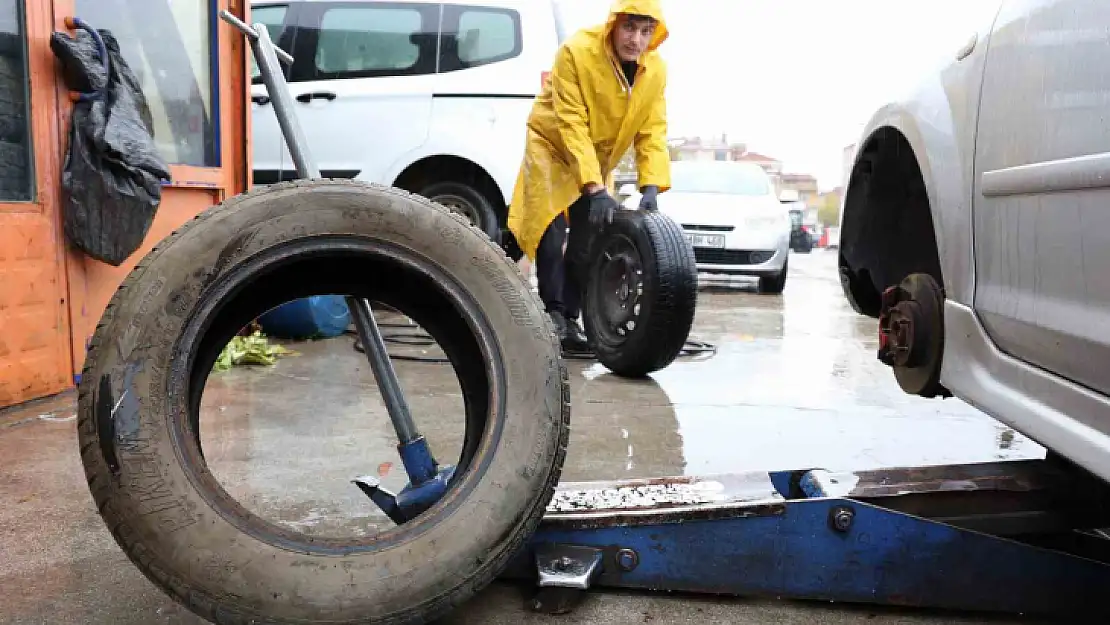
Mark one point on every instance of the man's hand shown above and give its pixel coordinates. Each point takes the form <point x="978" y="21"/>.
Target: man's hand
<point x="650" y="199"/>
<point x="602" y="208"/>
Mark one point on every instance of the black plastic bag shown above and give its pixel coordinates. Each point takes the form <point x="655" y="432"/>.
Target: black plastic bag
<point x="113" y="174"/>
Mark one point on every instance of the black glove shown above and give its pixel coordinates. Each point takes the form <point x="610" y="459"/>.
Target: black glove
<point x="602" y="208"/>
<point x="650" y="199"/>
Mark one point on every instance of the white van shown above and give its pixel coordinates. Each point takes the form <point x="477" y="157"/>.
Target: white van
<point x="431" y="97"/>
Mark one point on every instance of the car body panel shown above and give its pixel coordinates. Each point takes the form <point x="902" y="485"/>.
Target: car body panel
<point x="377" y="127"/>
<point x="940" y="122"/>
<point x="1042" y="207"/>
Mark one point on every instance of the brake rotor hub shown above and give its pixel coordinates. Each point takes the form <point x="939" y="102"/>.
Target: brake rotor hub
<point x="903" y="329"/>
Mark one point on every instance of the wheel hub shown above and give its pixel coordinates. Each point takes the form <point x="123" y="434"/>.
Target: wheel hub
<point x="458" y="205"/>
<point x="621" y="276"/>
<point x="897" y="334"/>
<point x="911" y="334"/>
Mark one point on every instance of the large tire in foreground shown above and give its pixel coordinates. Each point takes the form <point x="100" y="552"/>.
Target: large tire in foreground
<point x="140" y="394"/>
<point x="641" y="293"/>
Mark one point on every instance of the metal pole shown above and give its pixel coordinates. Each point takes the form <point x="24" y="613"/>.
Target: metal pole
<point x="278" y="90"/>
<point x="266" y="55"/>
<point x="380" y="363"/>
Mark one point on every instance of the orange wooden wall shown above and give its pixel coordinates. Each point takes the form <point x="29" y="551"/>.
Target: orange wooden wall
<point x="51" y="297"/>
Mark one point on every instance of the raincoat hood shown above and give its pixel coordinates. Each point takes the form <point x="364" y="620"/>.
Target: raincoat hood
<point x="585" y="118"/>
<point x="650" y="8"/>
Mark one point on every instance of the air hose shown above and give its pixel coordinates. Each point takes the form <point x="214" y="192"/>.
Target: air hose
<point x="691" y="349"/>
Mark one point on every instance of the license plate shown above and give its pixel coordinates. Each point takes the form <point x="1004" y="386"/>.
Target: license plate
<point x="706" y="240"/>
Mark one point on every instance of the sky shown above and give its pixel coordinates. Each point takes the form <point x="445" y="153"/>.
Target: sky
<point x="797" y="79"/>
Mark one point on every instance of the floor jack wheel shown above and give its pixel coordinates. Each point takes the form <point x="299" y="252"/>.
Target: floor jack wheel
<point x="641" y="293"/>
<point x="911" y="334"/>
<point x="456" y="524"/>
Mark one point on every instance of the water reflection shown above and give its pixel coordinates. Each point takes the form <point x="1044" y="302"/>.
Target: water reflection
<point x="620" y="428"/>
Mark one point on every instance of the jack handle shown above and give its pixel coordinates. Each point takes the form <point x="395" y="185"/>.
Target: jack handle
<point x="249" y="33"/>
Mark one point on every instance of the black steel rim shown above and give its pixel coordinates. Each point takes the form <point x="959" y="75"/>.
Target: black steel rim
<point x="617" y="290"/>
<point x="460" y="206"/>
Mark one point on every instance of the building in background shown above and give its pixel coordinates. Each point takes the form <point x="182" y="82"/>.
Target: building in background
<point x="772" y="166"/>
<point x="698" y="149"/>
<point x="804" y="184"/>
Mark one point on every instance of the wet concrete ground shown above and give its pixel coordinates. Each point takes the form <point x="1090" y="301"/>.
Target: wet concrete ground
<point x="795" y="384"/>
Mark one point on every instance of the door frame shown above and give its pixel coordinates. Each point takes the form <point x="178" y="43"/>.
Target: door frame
<point x="193" y="188"/>
<point x="45" y="203"/>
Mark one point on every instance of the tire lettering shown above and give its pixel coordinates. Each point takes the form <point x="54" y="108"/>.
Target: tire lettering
<point x="537" y="454"/>
<point x="149" y="491"/>
<point x="218" y="569"/>
<point x="450" y="235"/>
<point x="510" y="294"/>
<point x="129" y="338"/>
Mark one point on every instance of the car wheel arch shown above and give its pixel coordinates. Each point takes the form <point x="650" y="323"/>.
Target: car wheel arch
<point x="888" y="224"/>
<point x="448" y="167"/>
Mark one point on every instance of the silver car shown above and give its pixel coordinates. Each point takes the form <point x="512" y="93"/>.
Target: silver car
<point x="976" y="226"/>
<point x="732" y="216"/>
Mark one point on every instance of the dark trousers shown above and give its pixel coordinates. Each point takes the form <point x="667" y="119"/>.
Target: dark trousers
<point x="562" y="276"/>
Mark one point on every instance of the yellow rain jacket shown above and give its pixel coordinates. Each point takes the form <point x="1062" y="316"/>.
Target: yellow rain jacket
<point x="585" y="119"/>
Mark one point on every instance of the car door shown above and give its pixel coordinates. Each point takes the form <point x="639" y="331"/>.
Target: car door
<point x="1042" y="188"/>
<point x="362" y="83"/>
<point x="267" y="144"/>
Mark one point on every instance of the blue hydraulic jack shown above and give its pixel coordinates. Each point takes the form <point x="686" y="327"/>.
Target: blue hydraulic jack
<point x="1022" y="537"/>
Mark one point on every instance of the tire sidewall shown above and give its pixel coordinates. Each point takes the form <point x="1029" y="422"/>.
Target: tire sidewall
<point x="150" y="500"/>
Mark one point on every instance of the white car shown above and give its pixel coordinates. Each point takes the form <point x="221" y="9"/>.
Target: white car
<point x="976" y="229"/>
<point x="431" y="97"/>
<point x="731" y="215"/>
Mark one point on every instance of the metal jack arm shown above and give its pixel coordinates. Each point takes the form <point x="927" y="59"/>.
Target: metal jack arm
<point x="427" y="480"/>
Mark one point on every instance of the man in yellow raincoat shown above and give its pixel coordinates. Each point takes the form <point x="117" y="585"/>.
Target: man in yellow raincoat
<point x="605" y="95"/>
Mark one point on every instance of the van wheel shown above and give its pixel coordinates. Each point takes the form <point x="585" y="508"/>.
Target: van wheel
<point x="140" y="394"/>
<point x="641" y="293"/>
<point x="468" y="202"/>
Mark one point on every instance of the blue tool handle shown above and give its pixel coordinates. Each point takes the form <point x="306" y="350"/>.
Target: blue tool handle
<point x="102" y="52"/>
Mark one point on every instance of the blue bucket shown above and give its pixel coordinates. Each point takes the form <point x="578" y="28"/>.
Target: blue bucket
<point x="320" y="316"/>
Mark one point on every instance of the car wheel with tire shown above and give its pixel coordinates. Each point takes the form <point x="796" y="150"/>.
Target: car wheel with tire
<point x="777" y="283"/>
<point x="641" y="293"/>
<point x="468" y="202"/>
<point x="140" y="392"/>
